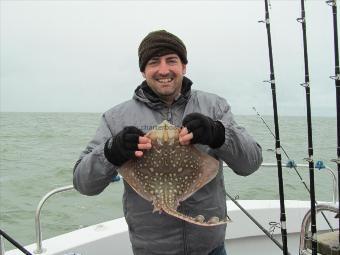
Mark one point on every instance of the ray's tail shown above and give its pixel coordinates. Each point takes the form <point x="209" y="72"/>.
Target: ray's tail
<point x="198" y="220"/>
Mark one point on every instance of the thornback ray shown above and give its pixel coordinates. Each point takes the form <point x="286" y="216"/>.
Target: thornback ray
<point x="169" y="173"/>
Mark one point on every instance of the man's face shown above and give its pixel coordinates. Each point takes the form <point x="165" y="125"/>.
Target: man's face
<point x="164" y="75"/>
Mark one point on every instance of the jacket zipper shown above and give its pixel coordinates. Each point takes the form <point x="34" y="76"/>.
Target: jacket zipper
<point x="169" y="115"/>
<point x="185" y="239"/>
<point x="185" y="246"/>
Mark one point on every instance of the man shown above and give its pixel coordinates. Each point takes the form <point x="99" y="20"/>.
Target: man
<point x="207" y="122"/>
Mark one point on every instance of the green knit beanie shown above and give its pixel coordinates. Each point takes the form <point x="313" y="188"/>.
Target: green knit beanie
<point x="160" y="43"/>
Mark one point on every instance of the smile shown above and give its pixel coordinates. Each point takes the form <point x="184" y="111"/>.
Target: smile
<point x="167" y="80"/>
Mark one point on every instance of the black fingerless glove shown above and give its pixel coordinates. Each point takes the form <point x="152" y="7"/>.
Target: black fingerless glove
<point x="122" y="147"/>
<point x="205" y="130"/>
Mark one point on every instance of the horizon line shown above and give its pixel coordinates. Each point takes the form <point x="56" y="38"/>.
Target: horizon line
<point x="235" y="114"/>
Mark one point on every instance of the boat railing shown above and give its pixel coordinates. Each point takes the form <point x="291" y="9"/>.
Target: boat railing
<point x="322" y="166"/>
<point x="39" y="249"/>
<point x="2" y="246"/>
<point x="305" y="235"/>
<point x="38" y="233"/>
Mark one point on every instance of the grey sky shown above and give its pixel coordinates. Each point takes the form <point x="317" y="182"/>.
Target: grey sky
<point x="81" y="56"/>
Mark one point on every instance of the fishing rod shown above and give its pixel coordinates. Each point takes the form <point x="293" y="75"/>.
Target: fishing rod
<point x="15" y="243"/>
<point x="310" y="161"/>
<point x="337" y="90"/>
<point x="293" y="166"/>
<point x="268" y="234"/>
<point x="277" y="135"/>
<point x="284" y="151"/>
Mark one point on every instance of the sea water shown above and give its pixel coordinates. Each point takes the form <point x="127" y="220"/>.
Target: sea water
<point x="38" y="152"/>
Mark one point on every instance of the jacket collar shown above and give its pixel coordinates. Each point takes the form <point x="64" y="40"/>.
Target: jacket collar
<point x="144" y="94"/>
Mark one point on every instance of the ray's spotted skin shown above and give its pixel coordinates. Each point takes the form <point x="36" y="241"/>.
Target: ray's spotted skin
<point x="169" y="173"/>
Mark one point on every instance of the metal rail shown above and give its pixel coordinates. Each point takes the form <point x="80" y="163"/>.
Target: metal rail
<point x="39" y="248"/>
<point x="306" y="222"/>
<point x="331" y="171"/>
<point x="2" y="246"/>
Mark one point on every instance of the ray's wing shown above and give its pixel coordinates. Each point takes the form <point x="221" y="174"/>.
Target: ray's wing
<point x="136" y="182"/>
<point x="208" y="168"/>
<point x="198" y="169"/>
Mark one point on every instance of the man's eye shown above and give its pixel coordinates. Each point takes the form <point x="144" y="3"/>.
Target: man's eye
<point x="172" y="61"/>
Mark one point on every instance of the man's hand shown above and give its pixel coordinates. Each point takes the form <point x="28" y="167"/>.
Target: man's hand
<point x="198" y="128"/>
<point x="185" y="137"/>
<point x="128" y="143"/>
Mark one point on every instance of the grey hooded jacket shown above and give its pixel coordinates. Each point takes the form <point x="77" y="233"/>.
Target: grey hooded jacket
<point x="154" y="233"/>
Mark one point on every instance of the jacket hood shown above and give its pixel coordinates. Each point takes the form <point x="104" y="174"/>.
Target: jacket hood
<point x="145" y="94"/>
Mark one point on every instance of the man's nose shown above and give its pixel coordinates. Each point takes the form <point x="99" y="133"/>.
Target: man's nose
<point x="163" y="68"/>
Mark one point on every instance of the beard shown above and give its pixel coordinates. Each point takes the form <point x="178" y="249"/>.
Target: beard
<point x="167" y="87"/>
